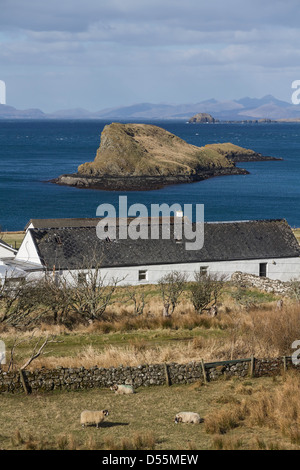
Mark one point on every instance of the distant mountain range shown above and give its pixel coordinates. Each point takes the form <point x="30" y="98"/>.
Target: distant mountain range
<point x="247" y="108"/>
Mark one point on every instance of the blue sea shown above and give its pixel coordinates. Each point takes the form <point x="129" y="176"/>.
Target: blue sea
<point x="33" y="152"/>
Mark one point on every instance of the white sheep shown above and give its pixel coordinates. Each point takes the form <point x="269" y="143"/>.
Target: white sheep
<point x="88" y="418"/>
<point x="188" y="417"/>
<point x="123" y="389"/>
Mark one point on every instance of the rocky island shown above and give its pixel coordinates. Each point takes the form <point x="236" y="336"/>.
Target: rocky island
<point x="202" y="118"/>
<point x="141" y="157"/>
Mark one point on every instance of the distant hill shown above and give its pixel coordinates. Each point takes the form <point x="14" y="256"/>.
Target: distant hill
<point x="9" y="112"/>
<point x="267" y="107"/>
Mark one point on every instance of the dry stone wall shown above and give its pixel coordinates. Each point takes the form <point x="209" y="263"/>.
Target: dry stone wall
<point x="143" y="375"/>
<point x="262" y="283"/>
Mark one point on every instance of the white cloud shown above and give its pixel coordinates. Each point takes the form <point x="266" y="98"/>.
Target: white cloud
<point x="125" y="41"/>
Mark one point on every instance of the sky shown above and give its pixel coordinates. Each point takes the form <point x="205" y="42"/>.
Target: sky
<point x="98" y="54"/>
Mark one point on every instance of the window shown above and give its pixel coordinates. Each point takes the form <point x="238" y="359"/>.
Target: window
<point x="143" y="275"/>
<point x="82" y="278"/>
<point x="203" y="270"/>
<point x="263" y="269"/>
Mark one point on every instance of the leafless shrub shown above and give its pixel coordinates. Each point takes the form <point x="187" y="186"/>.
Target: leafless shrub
<point x="91" y="295"/>
<point x="171" y="286"/>
<point x="205" y="290"/>
<point x="137" y="298"/>
<point x="30" y="301"/>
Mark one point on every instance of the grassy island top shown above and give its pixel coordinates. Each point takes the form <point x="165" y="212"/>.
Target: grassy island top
<point x="144" y="149"/>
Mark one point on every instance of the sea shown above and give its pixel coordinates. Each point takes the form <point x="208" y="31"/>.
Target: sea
<point x="34" y="152"/>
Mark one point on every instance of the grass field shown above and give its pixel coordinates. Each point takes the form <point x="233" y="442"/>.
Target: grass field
<point x="124" y="338"/>
<point x="297" y="233"/>
<point x="145" y="420"/>
<point x="13" y="238"/>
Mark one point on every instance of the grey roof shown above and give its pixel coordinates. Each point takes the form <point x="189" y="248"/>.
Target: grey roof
<point x="61" y="223"/>
<point x="79" y="247"/>
<point x="73" y="222"/>
<point x="6" y="245"/>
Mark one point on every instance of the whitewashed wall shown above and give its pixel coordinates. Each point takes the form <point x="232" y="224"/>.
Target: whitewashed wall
<point x="27" y="251"/>
<point x="6" y="252"/>
<point x="281" y="269"/>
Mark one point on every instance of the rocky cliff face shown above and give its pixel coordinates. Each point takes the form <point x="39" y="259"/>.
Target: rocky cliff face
<point x="143" y="156"/>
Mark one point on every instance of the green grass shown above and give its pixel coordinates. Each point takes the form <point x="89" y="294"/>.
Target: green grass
<point x="12" y="238"/>
<point x="71" y="344"/>
<point x="144" y="420"/>
<point x="297" y="233"/>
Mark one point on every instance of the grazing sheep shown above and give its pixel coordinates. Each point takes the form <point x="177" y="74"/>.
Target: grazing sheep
<point x="123" y="389"/>
<point x="92" y="417"/>
<point x="187" y="417"/>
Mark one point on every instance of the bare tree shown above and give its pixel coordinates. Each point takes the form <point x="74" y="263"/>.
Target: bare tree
<point x="39" y="348"/>
<point x="29" y="301"/>
<point x="92" y="292"/>
<point x="171" y="286"/>
<point x="13" y="348"/>
<point x="137" y="298"/>
<point x="18" y="299"/>
<point x="58" y="300"/>
<point x="205" y="290"/>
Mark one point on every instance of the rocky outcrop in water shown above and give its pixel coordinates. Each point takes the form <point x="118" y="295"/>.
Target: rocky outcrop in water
<point x="143" y="157"/>
<point x="202" y="118"/>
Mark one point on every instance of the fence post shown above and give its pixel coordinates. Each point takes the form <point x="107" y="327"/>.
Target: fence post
<point x="203" y="371"/>
<point x="252" y="366"/>
<point x="24" y="382"/>
<point x="284" y="364"/>
<point x="167" y="374"/>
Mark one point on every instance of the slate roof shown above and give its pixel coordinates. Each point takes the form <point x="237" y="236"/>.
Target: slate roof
<point x="62" y="223"/>
<point x="70" y="222"/>
<point x="6" y="245"/>
<point x="79" y="247"/>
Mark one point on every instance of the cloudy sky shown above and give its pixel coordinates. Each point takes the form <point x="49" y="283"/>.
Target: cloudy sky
<point x="96" y="54"/>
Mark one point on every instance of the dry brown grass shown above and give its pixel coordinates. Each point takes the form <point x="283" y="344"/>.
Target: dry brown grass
<point x="138" y="441"/>
<point x="124" y="338"/>
<point x="276" y="409"/>
<point x="183" y="338"/>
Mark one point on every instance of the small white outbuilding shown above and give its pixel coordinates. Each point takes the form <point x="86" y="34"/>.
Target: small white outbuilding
<point x="6" y="251"/>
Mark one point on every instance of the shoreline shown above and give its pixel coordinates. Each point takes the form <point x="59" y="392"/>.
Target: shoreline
<point x="148" y="183"/>
<point x="140" y="183"/>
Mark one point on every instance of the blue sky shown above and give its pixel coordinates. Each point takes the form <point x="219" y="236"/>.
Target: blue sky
<point x="97" y="54"/>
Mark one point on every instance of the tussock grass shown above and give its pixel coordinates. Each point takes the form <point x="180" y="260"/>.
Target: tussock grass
<point x="122" y="337"/>
<point x="130" y="340"/>
<point x="222" y="421"/>
<point x="274" y="408"/>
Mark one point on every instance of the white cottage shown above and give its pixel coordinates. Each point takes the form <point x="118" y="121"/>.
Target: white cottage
<point x="267" y="248"/>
